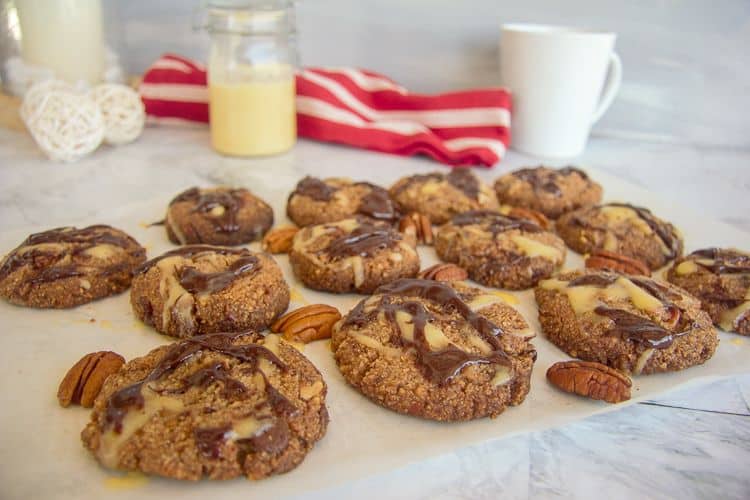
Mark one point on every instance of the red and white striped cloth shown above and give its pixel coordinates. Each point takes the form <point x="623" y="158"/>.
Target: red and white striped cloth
<point x="358" y="108"/>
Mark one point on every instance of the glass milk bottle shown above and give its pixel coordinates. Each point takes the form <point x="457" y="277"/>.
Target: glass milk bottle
<point x="251" y="76"/>
<point x="64" y="36"/>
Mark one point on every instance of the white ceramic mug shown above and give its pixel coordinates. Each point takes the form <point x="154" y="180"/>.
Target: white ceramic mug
<point x="556" y="75"/>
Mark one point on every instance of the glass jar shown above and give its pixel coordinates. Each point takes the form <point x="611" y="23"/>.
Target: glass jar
<point x="251" y="76"/>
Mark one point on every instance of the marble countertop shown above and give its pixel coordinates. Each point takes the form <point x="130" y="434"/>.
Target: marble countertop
<point x="688" y="444"/>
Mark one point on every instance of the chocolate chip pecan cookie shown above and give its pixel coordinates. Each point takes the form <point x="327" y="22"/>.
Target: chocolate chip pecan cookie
<point x="199" y="289"/>
<point x="217" y="406"/>
<point x="621" y="228"/>
<point x="217" y="216"/>
<point x="316" y="201"/>
<point x="436" y="350"/>
<point x="500" y="250"/>
<point x="440" y="196"/>
<point x="550" y="191"/>
<point x="66" y="267"/>
<point x="351" y="255"/>
<point x="720" y="278"/>
<point x="631" y="323"/>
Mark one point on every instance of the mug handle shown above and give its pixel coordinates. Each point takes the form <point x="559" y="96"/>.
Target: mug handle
<point x="614" y="78"/>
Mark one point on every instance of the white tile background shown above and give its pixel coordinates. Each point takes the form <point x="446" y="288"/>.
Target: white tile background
<point x="687" y="67"/>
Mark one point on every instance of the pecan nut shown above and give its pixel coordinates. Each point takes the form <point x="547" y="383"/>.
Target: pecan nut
<point x="85" y="379"/>
<point x="308" y="323"/>
<point x="590" y="379"/>
<point x="611" y="261"/>
<point x="534" y="216"/>
<point x="444" y="272"/>
<point x="416" y="226"/>
<point x="279" y="240"/>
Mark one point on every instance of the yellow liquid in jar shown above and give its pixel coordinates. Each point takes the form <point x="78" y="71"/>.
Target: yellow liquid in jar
<point x="253" y="118"/>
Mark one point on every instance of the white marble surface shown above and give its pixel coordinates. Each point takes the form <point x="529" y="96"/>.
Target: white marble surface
<point x="691" y="444"/>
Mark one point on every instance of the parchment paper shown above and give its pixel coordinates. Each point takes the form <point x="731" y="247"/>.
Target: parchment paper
<point x="41" y="455"/>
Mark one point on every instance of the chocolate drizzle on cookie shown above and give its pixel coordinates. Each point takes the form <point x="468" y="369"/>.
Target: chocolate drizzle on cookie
<point x="722" y="261"/>
<point x="276" y="408"/>
<point x="546" y="180"/>
<point x="601" y="280"/>
<point x="637" y="328"/>
<point x="314" y="188"/>
<point x="195" y="281"/>
<point x="209" y="440"/>
<point x="215" y="372"/>
<point x="631" y="326"/>
<point x="573" y="170"/>
<point x="464" y="180"/>
<point x="377" y="204"/>
<point x="206" y="201"/>
<point x="417" y="179"/>
<point x="191" y="251"/>
<point x="663" y="230"/>
<point x="443" y="365"/>
<point x="460" y="178"/>
<point x="364" y="241"/>
<point x="63" y="255"/>
<point x="496" y="222"/>
<point x="661" y="292"/>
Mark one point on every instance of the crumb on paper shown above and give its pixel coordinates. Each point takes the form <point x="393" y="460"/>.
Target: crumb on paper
<point x="297" y="297"/>
<point x="92" y="320"/>
<point x="737" y="341"/>
<point x="128" y="481"/>
<point x="139" y="325"/>
<point x="507" y="297"/>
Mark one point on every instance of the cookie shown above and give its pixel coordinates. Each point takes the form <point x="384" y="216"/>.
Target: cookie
<point x="631" y="323"/>
<point x="67" y="267"/>
<point x="550" y="191"/>
<point x="501" y="251"/>
<point x="720" y="278"/>
<point x="217" y="216"/>
<point x="217" y="406"/>
<point x="316" y="201"/>
<point x="440" y="196"/>
<point x="351" y="255"/>
<point x="435" y="350"/>
<point x="621" y="228"/>
<point x="199" y="289"/>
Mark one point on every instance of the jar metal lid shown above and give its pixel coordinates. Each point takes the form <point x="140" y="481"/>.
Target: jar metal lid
<point x="247" y="17"/>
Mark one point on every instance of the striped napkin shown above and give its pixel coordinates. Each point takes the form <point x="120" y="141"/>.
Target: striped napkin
<point x="358" y="108"/>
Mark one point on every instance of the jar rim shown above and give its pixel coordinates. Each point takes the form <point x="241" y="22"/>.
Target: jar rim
<point x="247" y="4"/>
<point x="248" y="17"/>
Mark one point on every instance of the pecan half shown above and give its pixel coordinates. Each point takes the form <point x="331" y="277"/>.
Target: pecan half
<point x="279" y="240"/>
<point x="85" y="379"/>
<point x="590" y="379"/>
<point x="443" y="272"/>
<point x="308" y="323"/>
<point x="417" y="226"/>
<point x="538" y="218"/>
<point x="611" y="261"/>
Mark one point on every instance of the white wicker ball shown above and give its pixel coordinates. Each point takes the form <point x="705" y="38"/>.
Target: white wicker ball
<point x="36" y="95"/>
<point x="122" y="110"/>
<point x="66" y="125"/>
